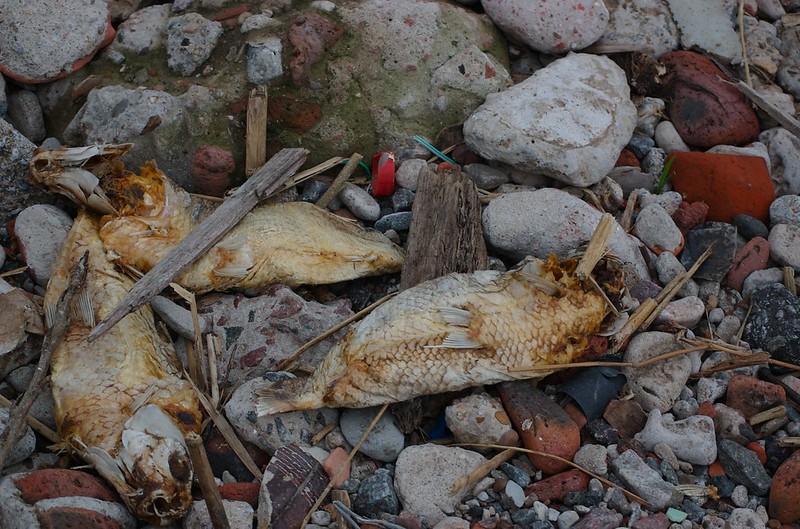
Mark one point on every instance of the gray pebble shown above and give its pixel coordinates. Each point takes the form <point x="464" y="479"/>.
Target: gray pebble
<point x="656" y="229"/>
<point x="669" y="200"/>
<point x="313" y="190"/>
<point x="669" y="139"/>
<point x="743" y="466"/>
<point x="640" y="144"/>
<point x="653" y="162"/>
<point x="784" y="245"/>
<point x="649" y="113"/>
<point x="24" y="447"/>
<point x="402" y="199"/>
<point x="630" y="178"/>
<point x="385" y="441"/>
<point x="760" y="279"/>
<point x="257" y="21"/>
<point x="409" y="172"/>
<point x="567" y="519"/>
<point x="744" y="519"/>
<point x="360" y="202"/>
<point x="749" y="227"/>
<point x="25" y="113"/>
<point x="709" y="389"/>
<point x="739" y="496"/>
<point x="728" y="328"/>
<point x="41" y="229"/>
<point x="485" y="176"/>
<point x="685" y="312"/>
<point x="715" y="315"/>
<point x="645" y="481"/>
<point x="593" y="458"/>
<point x="264" y="60"/>
<point x="692" y="439"/>
<point x="321" y="518"/>
<point x="190" y="40"/>
<point x="668" y="267"/>
<point x="394" y="221"/>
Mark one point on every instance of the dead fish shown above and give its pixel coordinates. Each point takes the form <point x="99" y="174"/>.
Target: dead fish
<point x="451" y="333"/>
<point x="120" y="400"/>
<point x="293" y="243"/>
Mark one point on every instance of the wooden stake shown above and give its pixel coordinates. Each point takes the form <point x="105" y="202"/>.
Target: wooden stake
<point x="256" y="142"/>
<point x="266" y="180"/>
<point x="18" y="415"/>
<point x="340" y="181"/>
<point x="202" y="469"/>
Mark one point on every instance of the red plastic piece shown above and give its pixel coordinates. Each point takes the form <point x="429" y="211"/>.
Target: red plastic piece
<point x="383" y="174"/>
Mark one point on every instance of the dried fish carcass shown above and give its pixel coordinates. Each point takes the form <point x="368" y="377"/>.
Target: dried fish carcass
<point x="293" y="243"/>
<point x="454" y="332"/>
<point x="120" y="400"/>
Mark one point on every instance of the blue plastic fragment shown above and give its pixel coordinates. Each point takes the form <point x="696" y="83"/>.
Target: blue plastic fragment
<point x="440" y="430"/>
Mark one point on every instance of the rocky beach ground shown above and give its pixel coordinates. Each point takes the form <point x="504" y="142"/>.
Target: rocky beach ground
<point x="559" y="111"/>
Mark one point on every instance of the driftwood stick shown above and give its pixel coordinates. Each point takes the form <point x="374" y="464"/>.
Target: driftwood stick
<point x="61" y="320"/>
<point x="256" y="139"/>
<point x="205" y="477"/>
<point x="340" y="181"/>
<point x="266" y="180"/>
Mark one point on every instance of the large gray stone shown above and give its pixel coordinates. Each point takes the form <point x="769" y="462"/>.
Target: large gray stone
<point x="144" y="31"/>
<point x="548" y="221"/>
<point x="190" y="40"/>
<point x="636" y="24"/>
<point x="568" y="121"/>
<point x="18" y="190"/>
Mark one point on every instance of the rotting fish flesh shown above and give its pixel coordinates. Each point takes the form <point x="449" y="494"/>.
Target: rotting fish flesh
<point x="451" y="333"/>
<point x="120" y="400"/>
<point x="293" y="243"/>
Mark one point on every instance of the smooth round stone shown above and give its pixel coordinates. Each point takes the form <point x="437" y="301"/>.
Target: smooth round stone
<point x="400" y="221"/>
<point x="785" y="210"/>
<point x="41" y="229"/>
<point x="669" y="139"/>
<point x="750" y="227"/>
<point x="658" y="385"/>
<point x="25" y="113"/>
<point x="409" y="172"/>
<point x="360" y="202"/>
<point x="685" y="312"/>
<point x="485" y="176"/>
<point x="656" y="229"/>
<point x="385" y="441"/>
<point x="784" y="245"/>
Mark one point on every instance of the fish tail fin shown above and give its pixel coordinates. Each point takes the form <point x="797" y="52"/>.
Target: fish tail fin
<point x="272" y="400"/>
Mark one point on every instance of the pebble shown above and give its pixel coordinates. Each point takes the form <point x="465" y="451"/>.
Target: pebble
<point x="452" y="522"/>
<point x="728" y="184"/>
<point x="690" y="215"/>
<point x="515" y="493"/>
<point x="592" y="457"/>
<point x="609" y="192"/>
<point x="541" y="423"/>
<point x="655" y="228"/>
<point x="239" y="514"/>
<point x="668" y="267"/>
<point x="649" y="113"/>
<point x="744" y="519"/>
<point x="517" y="475"/>
<point x="739" y="496"/>
<point x="22" y="313"/>
<point x="43" y="407"/>
<point x="774" y="323"/>
<point x="728" y="328"/>
<point x="567" y="519"/>
<point x="600" y="518"/>
<point x="692" y="439"/>
<point x="750" y="227"/>
<point x="516" y="126"/>
<point x="626" y="416"/>
<point x="784" y="155"/>
<point x="704" y="109"/>
<point x="654" y="161"/>
<point x="785" y="210"/>
<point x="669" y="200"/>
<point x="555" y="487"/>
<point x="685" y="312"/>
<point x="25" y="113"/>
<point x="753" y="256"/>
<point x="479" y="418"/>
<point x="706" y="26"/>
<point x="41" y="230"/>
<point x="264" y="59"/>
<point x="760" y="279"/>
<point x="485" y="176"/>
<point x="400" y="221"/>
<point x="376" y="495"/>
<point x="640" y="144"/>
<point x="409" y="172"/>
<point x="717" y="265"/>
<point x="24" y="447"/>
<point x="645" y="481"/>
<point x="424" y="475"/>
<point x="385" y="441"/>
<point x="658" y="385"/>
<point x="668" y="138"/>
<point x="402" y="199"/>
<point x="784" y="245"/>
<point x="270" y="432"/>
<point x="190" y="40"/>
<point x="360" y="202"/>
<point x="750" y="395"/>
<point x="144" y="31"/>
<point x="211" y="170"/>
<point x="743" y="466"/>
<point x="30" y="55"/>
<point x="558" y="27"/>
<point x="785" y="492"/>
<point x="548" y="221"/>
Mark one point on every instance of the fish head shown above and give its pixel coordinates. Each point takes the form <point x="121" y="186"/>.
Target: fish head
<point x="157" y="466"/>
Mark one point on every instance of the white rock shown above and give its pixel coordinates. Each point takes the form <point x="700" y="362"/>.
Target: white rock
<point x="239" y="514"/>
<point x="784" y="245"/>
<point x="707" y="25"/>
<point x="637" y="24"/>
<point x="452" y="522"/>
<point x="548" y="221"/>
<point x="190" y="40"/>
<point x="656" y="229"/>
<point x="360" y="202"/>
<point x="424" y="475"/>
<point x="384" y="442"/>
<point x="41" y="229"/>
<point x="692" y="440"/>
<point x="744" y="519"/>
<point x="668" y="138"/>
<point x="568" y="121"/>
<point x="567" y="519"/>
<point x="467" y="71"/>
<point x="264" y="59"/>
<point x="761" y="278"/>
<point x="593" y="458"/>
<point x="685" y="312"/>
<point x="785" y="210"/>
<point x="658" y="385"/>
<point x="709" y="389"/>
<point x="515" y="492"/>
<point x="478" y="418"/>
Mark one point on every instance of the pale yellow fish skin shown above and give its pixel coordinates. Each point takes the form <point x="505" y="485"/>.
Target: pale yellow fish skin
<point x="388" y="356"/>
<point x="95" y="385"/>
<point x="293" y="243"/>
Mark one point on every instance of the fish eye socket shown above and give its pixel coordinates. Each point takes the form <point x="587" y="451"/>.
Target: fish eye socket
<point x="180" y="467"/>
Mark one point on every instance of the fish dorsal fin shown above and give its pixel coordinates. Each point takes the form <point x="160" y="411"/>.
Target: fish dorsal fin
<point x="457" y="340"/>
<point x="49" y="314"/>
<point x="85" y="308"/>
<point x="456" y="316"/>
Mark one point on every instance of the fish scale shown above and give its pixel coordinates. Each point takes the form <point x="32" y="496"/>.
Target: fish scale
<point x="450" y="333"/>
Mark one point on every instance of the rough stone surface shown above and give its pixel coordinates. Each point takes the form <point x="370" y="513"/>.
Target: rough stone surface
<point x="376" y="495"/>
<point x="750" y="395"/>
<point x="707" y="26"/>
<point x="760" y="279"/>
<point x="743" y="467"/>
<point x="785" y="210"/>
<point x="785" y="491"/>
<point x="461" y="71"/>
<point x="638" y="24"/>
<point x="239" y="514"/>
<point x="692" y="439"/>
<point x="784" y="155"/>
<point x="211" y="170"/>
<point x="657" y="385"/>
<point x="43" y="55"/>
<point x="784" y="245"/>
<point x="479" y="418"/>
<point x="723" y="236"/>
<point x="774" y="323"/>
<point x="18" y="191"/>
<point x="270" y="432"/>
<point x="656" y="229"/>
<point x="424" y="475"/>
<point x="685" y="312"/>
<point x="25" y="114"/>
<point x="645" y="481"/>
<point x="16" y="347"/>
<point x="549" y="221"/>
<point x="190" y="40"/>
<point x="568" y="121"/>
<point x="751" y="257"/>
<point x="145" y="30"/>
<point x="385" y="441"/>
<point x="24" y="447"/>
<point x="554" y="27"/>
<point x="41" y="230"/>
<point x="264" y="60"/>
<point x="704" y="109"/>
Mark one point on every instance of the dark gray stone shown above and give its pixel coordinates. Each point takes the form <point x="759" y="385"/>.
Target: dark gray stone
<point x="750" y="227"/>
<point x="640" y="144"/>
<point x="313" y="190"/>
<point x="599" y="518"/>
<point x="376" y="495"/>
<point x="723" y="236"/>
<point x="402" y="199"/>
<point x="519" y="476"/>
<point x="18" y="191"/>
<point x="394" y="221"/>
<point x="774" y="323"/>
<point x="485" y="176"/>
<point x="743" y="466"/>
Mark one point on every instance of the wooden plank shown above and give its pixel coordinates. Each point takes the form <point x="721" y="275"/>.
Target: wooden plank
<point x="256" y="139"/>
<point x="266" y="180"/>
<point x="445" y="234"/>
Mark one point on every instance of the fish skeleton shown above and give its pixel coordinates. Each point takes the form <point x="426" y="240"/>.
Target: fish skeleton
<point x="452" y="333"/>
<point x="120" y="401"/>
<point x="293" y="243"/>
